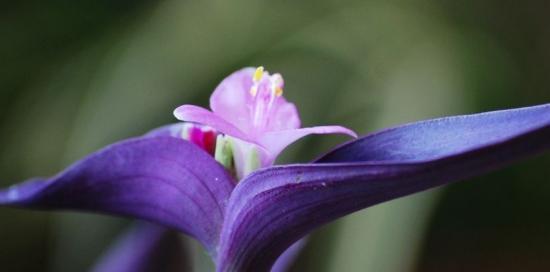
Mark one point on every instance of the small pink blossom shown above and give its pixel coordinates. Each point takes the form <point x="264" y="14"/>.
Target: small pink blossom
<point x="249" y="106"/>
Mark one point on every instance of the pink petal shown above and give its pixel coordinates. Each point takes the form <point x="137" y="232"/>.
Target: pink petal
<point x="232" y="100"/>
<point x="276" y="141"/>
<point x="285" y="116"/>
<point x="203" y="116"/>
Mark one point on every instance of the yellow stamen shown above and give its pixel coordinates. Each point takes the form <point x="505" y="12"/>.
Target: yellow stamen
<point x="258" y="74"/>
<point x="278" y="91"/>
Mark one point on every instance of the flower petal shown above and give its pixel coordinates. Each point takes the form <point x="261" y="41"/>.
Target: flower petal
<point x="161" y="179"/>
<point x="285" y="116"/>
<point x="272" y="208"/>
<point x="191" y="113"/>
<point x="276" y="141"/>
<point x="145" y="248"/>
<point x="231" y="98"/>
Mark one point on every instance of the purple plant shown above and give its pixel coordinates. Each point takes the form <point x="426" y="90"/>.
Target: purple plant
<point x="213" y="178"/>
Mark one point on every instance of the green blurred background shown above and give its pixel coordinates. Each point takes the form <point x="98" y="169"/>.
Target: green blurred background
<point x="77" y="75"/>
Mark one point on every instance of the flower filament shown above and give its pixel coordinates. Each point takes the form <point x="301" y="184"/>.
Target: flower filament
<point x="265" y="90"/>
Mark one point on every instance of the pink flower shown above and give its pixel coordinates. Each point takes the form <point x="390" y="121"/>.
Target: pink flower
<point x="249" y="107"/>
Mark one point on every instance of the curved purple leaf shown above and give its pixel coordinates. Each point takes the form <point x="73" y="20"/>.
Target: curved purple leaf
<point x="145" y="248"/>
<point x="274" y="207"/>
<point x="160" y="179"/>
<point x="443" y="137"/>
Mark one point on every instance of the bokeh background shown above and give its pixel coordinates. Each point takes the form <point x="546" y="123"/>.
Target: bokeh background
<point x="77" y="75"/>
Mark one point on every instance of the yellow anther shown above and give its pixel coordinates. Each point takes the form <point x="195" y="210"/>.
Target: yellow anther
<point x="278" y="91"/>
<point x="258" y="74"/>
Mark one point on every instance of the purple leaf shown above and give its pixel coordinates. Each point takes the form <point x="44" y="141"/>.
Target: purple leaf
<point x="274" y="207"/>
<point x="165" y="180"/>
